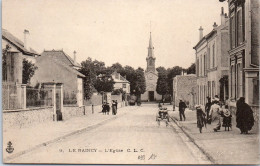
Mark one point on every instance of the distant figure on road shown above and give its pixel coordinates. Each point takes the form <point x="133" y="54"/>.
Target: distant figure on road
<point x="116" y="104"/>
<point x="207" y="109"/>
<point x="104" y="108"/>
<point x="107" y="108"/>
<point x="114" y="107"/>
<point x="200" y="117"/>
<point x="244" y="116"/>
<point x="182" y="107"/>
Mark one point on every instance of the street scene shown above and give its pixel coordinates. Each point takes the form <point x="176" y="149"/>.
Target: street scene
<point x="127" y="82"/>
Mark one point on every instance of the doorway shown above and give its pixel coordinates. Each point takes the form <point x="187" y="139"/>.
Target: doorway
<point x="151" y="95"/>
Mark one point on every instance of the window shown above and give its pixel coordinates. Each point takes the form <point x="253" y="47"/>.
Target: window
<point x="197" y="67"/>
<point x="233" y="37"/>
<point x="256" y="91"/>
<point x="213" y="89"/>
<point x="233" y="82"/>
<point x="117" y="75"/>
<point x="239" y="27"/>
<point x="239" y="80"/>
<point x="213" y="55"/>
<point x="205" y="64"/>
<point x="209" y="89"/>
<point x="124" y="85"/>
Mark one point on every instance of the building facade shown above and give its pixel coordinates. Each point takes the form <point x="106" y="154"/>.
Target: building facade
<point x="244" y="51"/>
<point x="212" y="62"/>
<point x="121" y="82"/>
<point x="61" y="68"/>
<point x="151" y="76"/>
<point x="184" y="88"/>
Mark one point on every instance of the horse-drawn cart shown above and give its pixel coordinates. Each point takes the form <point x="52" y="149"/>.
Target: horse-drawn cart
<point x="163" y="115"/>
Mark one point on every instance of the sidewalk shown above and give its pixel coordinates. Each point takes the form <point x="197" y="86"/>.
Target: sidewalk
<point x="223" y="147"/>
<point x="30" y="138"/>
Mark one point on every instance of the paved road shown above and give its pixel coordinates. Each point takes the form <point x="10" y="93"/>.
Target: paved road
<point x="134" y="138"/>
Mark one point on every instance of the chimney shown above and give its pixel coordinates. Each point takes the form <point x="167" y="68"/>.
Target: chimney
<point x="215" y="25"/>
<point x="26" y="39"/>
<point x="222" y="16"/>
<point x="201" y="32"/>
<point x="74" y="58"/>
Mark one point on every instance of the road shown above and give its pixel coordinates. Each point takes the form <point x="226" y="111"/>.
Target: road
<point x="134" y="138"/>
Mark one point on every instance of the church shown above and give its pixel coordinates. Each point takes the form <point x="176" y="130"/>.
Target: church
<point x="151" y="76"/>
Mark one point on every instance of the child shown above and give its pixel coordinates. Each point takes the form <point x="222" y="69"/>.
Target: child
<point x="200" y="117"/>
<point x="227" y="118"/>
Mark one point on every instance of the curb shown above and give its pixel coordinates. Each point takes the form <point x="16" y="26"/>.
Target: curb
<point x="90" y="127"/>
<point x="196" y="143"/>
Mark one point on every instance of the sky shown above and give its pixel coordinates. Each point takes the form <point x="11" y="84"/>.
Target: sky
<point x="114" y="30"/>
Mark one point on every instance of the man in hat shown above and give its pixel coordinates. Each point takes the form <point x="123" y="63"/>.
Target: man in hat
<point x="182" y="107"/>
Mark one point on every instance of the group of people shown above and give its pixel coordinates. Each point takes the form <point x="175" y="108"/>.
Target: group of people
<point x="217" y="111"/>
<point x="106" y="108"/>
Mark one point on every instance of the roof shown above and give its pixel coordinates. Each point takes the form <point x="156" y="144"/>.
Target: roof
<point x="61" y="56"/>
<point x="17" y="43"/>
<point x="205" y="38"/>
<point x="69" y="68"/>
<point x="121" y="78"/>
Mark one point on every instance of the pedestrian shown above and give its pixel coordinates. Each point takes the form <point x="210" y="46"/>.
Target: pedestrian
<point x="104" y="108"/>
<point x="227" y="118"/>
<point x="215" y="113"/>
<point x="116" y="105"/>
<point x="244" y="116"/>
<point x="113" y="107"/>
<point x="182" y="107"/>
<point x="107" y="108"/>
<point x="207" y="109"/>
<point x="201" y="116"/>
<point x="216" y="98"/>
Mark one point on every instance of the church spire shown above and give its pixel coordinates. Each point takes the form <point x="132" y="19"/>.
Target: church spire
<point x="150" y="48"/>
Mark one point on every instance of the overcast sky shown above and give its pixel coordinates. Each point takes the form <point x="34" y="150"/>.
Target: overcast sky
<point x="114" y="30"/>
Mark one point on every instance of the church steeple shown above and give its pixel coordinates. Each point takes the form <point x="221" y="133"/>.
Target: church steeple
<point x="150" y="48"/>
<point x="150" y="59"/>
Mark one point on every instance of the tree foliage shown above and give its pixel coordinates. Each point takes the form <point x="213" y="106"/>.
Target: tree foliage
<point x="191" y="69"/>
<point x="104" y="83"/>
<point x="28" y="71"/>
<point x="162" y="87"/>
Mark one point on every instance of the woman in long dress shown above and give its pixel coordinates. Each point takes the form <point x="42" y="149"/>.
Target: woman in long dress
<point x="244" y="116"/>
<point x="200" y="117"/>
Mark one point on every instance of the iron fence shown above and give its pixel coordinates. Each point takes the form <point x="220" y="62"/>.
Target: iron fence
<point x="12" y="96"/>
<point x="69" y="98"/>
<point x="36" y="97"/>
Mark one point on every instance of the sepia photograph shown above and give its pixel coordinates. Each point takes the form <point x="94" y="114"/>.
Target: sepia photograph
<point x="130" y="82"/>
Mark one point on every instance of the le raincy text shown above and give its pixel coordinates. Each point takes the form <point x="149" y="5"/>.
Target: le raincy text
<point x="108" y="150"/>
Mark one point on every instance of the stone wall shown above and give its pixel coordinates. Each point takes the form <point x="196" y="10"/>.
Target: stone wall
<point x="25" y="118"/>
<point x="72" y="111"/>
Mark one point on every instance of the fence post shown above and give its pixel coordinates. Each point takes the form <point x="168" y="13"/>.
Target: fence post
<point x="92" y="109"/>
<point x="24" y="96"/>
<point x="8" y="96"/>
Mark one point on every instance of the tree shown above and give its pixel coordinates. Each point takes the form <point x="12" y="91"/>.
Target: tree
<point x="4" y="63"/>
<point x="140" y="85"/>
<point x="191" y="69"/>
<point x="91" y="69"/>
<point x="28" y="71"/>
<point x="104" y="84"/>
<point x="162" y="86"/>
